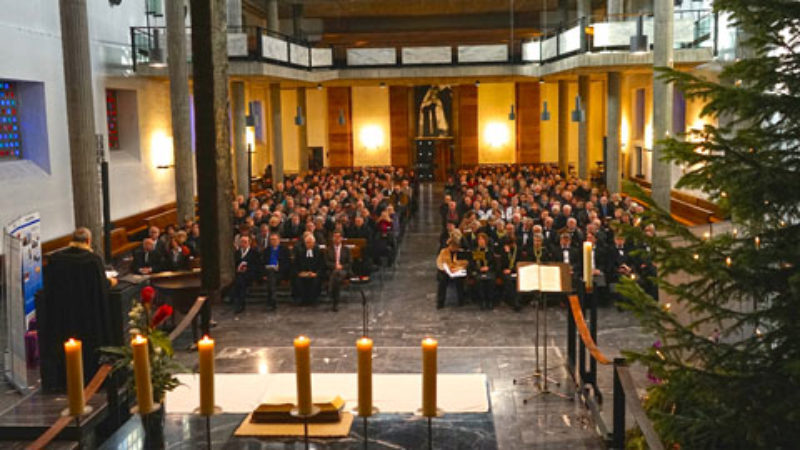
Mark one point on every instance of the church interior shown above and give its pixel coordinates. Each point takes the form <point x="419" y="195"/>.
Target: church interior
<point x="335" y="224"/>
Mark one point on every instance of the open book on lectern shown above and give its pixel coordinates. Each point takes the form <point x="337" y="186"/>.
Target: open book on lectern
<point x="532" y="277"/>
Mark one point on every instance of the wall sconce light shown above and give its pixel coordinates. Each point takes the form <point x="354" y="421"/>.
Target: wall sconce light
<point x="477" y="83"/>
<point x="511" y="115"/>
<point x="161" y="151"/>
<point x="371" y="137"/>
<point x="342" y="119"/>
<point x="382" y="85"/>
<point x="577" y="113"/>
<point x="545" y="112"/>
<point x="319" y="86"/>
<point x="496" y="134"/>
<point x="299" y="120"/>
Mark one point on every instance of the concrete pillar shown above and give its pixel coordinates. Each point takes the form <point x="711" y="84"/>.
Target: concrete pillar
<point x="584" y="8"/>
<point x="662" y="101"/>
<point x="302" y="129"/>
<point x="640" y="6"/>
<point x="179" y="104"/>
<point x="563" y="126"/>
<point x="563" y="9"/>
<point x="80" y="119"/>
<point x="613" y="122"/>
<point x="277" y="134"/>
<point x="584" y="164"/>
<point x="214" y="183"/>
<point x="234" y="13"/>
<point x="615" y="7"/>
<point x="240" y="155"/>
<point x="273" y="18"/>
<point x="297" y="20"/>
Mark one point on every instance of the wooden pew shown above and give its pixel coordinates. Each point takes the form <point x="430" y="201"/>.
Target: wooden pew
<point x="120" y="245"/>
<point x="162" y="220"/>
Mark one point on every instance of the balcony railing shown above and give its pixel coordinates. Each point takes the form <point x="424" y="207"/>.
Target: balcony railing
<point x="692" y="29"/>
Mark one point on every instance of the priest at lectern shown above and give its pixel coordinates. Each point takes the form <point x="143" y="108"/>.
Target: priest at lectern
<point x="74" y="305"/>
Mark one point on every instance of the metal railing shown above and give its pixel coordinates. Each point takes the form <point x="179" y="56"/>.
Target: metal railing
<point x="624" y="389"/>
<point x="693" y="29"/>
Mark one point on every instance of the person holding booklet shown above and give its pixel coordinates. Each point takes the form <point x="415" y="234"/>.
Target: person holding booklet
<point x="508" y="265"/>
<point x="451" y="269"/>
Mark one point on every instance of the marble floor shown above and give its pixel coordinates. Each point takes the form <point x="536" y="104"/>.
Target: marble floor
<point x="499" y="343"/>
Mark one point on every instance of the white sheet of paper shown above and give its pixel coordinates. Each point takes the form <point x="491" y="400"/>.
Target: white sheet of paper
<point x="550" y="279"/>
<point x="528" y="278"/>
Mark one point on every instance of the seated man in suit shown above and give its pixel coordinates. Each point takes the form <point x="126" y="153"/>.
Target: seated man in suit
<point x="247" y="267"/>
<point x="177" y="259"/>
<point x="449" y="270"/>
<point x="308" y="270"/>
<point x="277" y="266"/>
<point x="146" y="260"/>
<point x="338" y="262"/>
<point x="569" y="254"/>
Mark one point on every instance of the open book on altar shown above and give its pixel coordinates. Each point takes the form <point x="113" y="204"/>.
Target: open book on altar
<point x="553" y="277"/>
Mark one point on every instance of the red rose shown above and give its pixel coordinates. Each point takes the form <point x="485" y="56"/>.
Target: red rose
<point x="147" y="294"/>
<point x="162" y="313"/>
<point x="185" y="250"/>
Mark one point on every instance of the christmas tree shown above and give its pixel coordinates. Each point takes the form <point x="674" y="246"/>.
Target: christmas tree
<point x="726" y="370"/>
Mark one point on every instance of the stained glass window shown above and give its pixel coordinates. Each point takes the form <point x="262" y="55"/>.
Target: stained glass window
<point x="10" y="135"/>
<point x="112" y="119"/>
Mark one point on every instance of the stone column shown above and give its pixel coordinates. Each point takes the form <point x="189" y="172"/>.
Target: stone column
<point x="563" y="126"/>
<point x="179" y="104"/>
<point x="613" y="122"/>
<point x="214" y="183"/>
<point x="277" y="134"/>
<point x="615" y="7"/>
<point x="662" y="102"/>
<point x="240" y="154"/>
<point x="584" y="164"/>
<point x="80" y="119"/>
<point x="273" y="18"/>
<point x="302" y="129"/>
<point x="234" y="13"/>
<point x="584" y="8"/>
<point x="563" y="9"/>
<point x="297" y="20"/>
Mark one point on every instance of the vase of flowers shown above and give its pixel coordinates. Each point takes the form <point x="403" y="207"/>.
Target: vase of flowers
<point x="146" y="320"/>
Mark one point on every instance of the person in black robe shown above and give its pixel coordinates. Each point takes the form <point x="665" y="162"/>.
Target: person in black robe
<point x="309" y="266"/>
<point x="74" y="305"/>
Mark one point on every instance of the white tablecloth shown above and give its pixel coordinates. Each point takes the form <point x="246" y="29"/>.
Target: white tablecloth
<point x="392" y="393"/>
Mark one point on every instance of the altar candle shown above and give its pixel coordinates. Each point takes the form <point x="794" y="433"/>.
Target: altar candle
<point x="588" y="267"/>
<point x="141" y="371"/>
<point x="302" y="360"/>
<point x="364" y="346"/>
<point x="429" y="370"/>
<point x="74" y="358"/>
<point x="205" y="349"/>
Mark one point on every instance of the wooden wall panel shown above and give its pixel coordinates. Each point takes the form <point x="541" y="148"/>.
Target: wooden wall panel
<point x="399" y="125"/>
<point x="468" y="124"/>
<point x="340" y="137"/>
<point x="528" y="137"/>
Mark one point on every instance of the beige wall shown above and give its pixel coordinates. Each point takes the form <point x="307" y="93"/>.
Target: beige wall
<point x="291" y="153"/>
<point x="548" y="132"/>
<point x="597" y="122"/>
<point x="371" y="134"/>
<point x="497" y="138"/>
<point x="317" y="121"/>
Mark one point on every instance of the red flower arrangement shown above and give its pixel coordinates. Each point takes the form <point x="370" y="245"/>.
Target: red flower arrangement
<point x="147" y="294"/>
<point x="162" y="313"/>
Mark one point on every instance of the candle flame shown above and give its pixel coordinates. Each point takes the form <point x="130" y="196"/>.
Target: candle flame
<point x="72" y="341"/>
<point x="206" y="340"/>
<point x="728" y="261"/>
<point x="429" y="341"/>
<point x="696" y="256"/>
<point x="365" y="340"/>
<point x="139" y="339"/>
<point x="302" y="338"/>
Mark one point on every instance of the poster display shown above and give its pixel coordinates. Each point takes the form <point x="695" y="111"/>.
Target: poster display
<point x="434" y="105"/>
<point x="23" y="278"/>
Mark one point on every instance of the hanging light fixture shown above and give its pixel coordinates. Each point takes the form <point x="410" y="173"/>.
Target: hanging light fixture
<point x="577" y="113"/>
<point x="299" y="120"/>
<point x="342" y="120"/>
<point x="545" y="112"/>
<point x="511" y="115"/>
